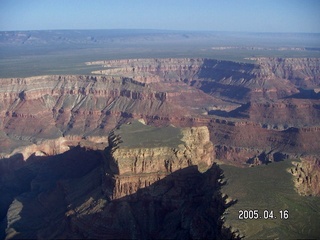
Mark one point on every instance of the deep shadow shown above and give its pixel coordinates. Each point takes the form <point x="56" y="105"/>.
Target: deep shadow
<point x="213" y="72"/>
<point x="278" y="156"/>
<point x="230" y="91"/>
<point x="186" y="204"/>
<point x="305" y="94"/>
<point x="217" y="69"/>
<point x="240" y="112"/>
<point x="46" y="193"/>
<point x="12" y="183"/>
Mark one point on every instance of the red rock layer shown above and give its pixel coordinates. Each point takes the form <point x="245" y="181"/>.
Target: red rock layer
<point x="249" y="108"/>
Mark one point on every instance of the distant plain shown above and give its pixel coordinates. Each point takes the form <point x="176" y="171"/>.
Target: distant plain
<point x="263" y="187"/>
<point x="65" y="52"/>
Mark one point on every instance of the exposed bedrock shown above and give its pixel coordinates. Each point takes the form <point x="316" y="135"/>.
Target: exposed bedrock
<point x="90" y="194"/>
<point x="302" y="72"/>
<point x="138" y="167"/>
<point x="247" y="106"/>
<point x="307" y="175"/>
<point x="268" y="77"/>
<point x="286" y="113"/>
<point x="244" y="141"/>
<point x="242" y="156"/>
<point x="152" y="186"/>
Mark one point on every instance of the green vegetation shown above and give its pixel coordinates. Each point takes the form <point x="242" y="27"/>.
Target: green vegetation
<point x="136" y="134"/>
<point x="270" y="188"/>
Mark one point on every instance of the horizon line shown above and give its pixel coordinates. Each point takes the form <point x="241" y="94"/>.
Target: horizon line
<point x="159" y="30"/>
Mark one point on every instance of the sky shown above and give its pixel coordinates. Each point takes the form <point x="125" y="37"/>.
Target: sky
<point x="201" y="15"/>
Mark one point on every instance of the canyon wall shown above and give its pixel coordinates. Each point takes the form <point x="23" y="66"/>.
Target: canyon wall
<point x="204" y="110"/>
<point x="306" y="176"/>
<point x="137" y="167"/>
<point x="257" y="107"/>
<point x="102" y="199"/>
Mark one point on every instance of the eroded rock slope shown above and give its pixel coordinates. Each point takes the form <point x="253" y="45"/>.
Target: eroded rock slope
<point x="163" y="196"/>
<point x="258" y="112"/>
<point x="266" y="107"/>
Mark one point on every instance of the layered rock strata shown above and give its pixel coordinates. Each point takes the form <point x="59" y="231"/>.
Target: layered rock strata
<point x="101" y="198"/>
<point x="273" y="77"/>
<point x="139" y="167"/>
<point x="249" y="108"/>
<point x="306" y="176"/>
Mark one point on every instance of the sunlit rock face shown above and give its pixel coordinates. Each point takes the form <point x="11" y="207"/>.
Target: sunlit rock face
<point x="266" y="100"/>
<point x="75" y="163"/>
<point x="123" y="191"/>
<point x="306" y="176"/>
<point x="138" y="166"/>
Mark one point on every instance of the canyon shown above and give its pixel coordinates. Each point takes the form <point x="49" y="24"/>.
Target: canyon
<point x="249" y="108"/>
<point x="145" y="136"/>
<point x="111" y="196"/>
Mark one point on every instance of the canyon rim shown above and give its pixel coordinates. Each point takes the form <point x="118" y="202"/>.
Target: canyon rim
<point x="135" y="147"/>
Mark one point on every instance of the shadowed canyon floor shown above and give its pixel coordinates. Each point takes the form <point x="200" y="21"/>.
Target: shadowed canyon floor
<point x="164" y="196"/>
<point x="130" y="150"/>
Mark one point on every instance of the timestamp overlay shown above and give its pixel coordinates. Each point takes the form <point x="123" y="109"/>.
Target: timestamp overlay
<point x="267" y="204"/>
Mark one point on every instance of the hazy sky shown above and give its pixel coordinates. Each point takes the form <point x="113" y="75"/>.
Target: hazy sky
<point x="219" y="15"/>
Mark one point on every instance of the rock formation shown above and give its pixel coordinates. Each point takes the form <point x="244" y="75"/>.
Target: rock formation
<point x="196" y="111"/>
<point x="248" y="108"/>
<point x="140" y="166"/>
<point x="306" y="176"/>
<point x="104" y="198"/>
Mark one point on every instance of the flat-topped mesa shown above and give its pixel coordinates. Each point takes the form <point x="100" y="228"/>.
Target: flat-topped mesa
<point x="176" y="69"/>
<point x="268" y="78"/>
<point x="151" y="70"/>
<point x="143" y="156"/>
<point x="191" y="147"/>
<point x="37" y="87"/>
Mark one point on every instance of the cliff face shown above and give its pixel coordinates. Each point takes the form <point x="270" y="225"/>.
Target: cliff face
<point x="253" y="107"/>
<point x="103" y="197"/>
<point x="137" y="167"/>
<point x="302" y="72"/>
<point x="139" y="176"/>
<point x="49" y="107"/>
<point x="151" y="70"/>
<point x="306" y="176"/>
<point x="267" y="78"/>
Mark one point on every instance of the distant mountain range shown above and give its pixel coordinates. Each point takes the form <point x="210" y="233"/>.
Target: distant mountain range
<point x="143" y="36"/>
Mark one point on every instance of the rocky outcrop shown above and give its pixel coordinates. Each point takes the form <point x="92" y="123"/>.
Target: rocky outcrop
<point x="239" y="142"/>
<point x="245" y="106"/>
<point x="307" y="176"/>
<point x="244" y="157"/>
<point x="138" y="167"/>
<point x="269" y="78"/>
<point x="283" y="114"/>
<point x="49" y="107"/>
<point x="142" y="181"/>
<point x="302" y="72"/>
<point x="89" y="194"/>
<point x="151" y="70"/>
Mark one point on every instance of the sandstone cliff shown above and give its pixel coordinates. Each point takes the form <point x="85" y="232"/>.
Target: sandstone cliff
<point x="151" y="180"/>
<point x="257" y="108"/>
<point x="269" y="77"/>
<point x="306" y="176"/>
<point x="138" y="167"/>
<point x="101" y="199"/>
<point x="303" y="72"/>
